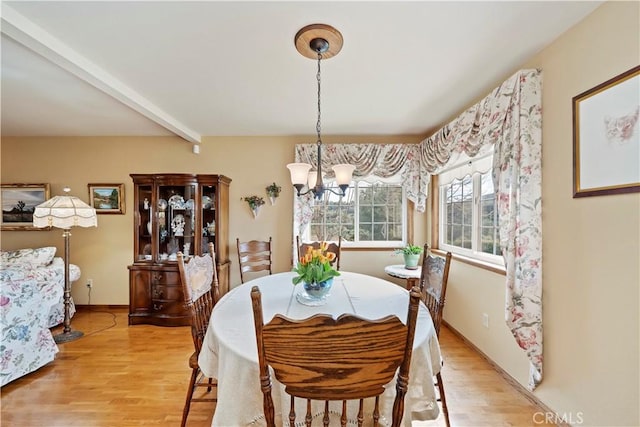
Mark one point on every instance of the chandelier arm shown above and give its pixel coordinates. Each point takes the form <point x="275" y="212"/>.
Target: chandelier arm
<point x="337" y="193"/>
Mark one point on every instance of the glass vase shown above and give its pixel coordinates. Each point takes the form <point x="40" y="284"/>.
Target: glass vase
<point x="314" y="294"/>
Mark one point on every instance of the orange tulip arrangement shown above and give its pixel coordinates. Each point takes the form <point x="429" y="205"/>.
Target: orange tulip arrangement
<point x="315" y="266"/>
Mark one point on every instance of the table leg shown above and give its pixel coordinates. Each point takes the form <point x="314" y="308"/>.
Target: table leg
<point x="411" y="282"/>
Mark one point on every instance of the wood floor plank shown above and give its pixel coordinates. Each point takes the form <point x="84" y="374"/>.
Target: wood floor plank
<point x="120" y="376"/>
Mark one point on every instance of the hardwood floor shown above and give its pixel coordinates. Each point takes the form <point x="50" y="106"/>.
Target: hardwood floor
<point x="118" y="375"/>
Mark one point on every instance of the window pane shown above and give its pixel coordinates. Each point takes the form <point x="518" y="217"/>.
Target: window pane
<point x="346" y="214"/>
<point x="456" y="235"/>
<point x="379" y="215"/>
<point x="366" y="214"/>
<point x="490" y="244"/>
<point x="379" y="232"/>
<point x="348" y="234"/>
<point x="466" y="238"/>
<point x="487" y="209"/>
<point x="332" y="214"/>
<point x="395" y="232"/>
<point x="365" y="232"/>
<point x="489" y="221"/>
<point x="467" y="212"/>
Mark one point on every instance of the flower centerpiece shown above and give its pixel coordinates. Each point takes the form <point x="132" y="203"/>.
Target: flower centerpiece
<point x="315" y="272"/>
<point x="411" y="254"/>
<point x="273" y="191"/>
<point x="254" y="204"/>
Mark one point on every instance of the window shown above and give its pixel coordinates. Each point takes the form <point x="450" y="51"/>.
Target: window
<point x="467" y="211"/>
<point x="369" y="215"/>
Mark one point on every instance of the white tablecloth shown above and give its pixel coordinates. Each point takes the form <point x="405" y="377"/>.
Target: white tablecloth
<point x="229" y="352"/>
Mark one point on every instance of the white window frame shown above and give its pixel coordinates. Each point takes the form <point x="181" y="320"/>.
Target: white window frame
<point x="370" y="243"/>
<point x="474" y="168"/>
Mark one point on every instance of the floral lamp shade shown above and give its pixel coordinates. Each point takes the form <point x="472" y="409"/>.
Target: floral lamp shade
<point x="64" y="212"/>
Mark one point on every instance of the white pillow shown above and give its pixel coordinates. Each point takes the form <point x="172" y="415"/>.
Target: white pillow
<point x="38" y="257"/>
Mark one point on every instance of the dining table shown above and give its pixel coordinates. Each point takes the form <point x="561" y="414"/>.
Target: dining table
<point x="229" y="352"/>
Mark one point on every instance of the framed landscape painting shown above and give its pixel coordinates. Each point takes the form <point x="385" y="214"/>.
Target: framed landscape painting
<point x="18" y="202"/>
<point x="107" y="198"/>
<point x="606" y="137"/>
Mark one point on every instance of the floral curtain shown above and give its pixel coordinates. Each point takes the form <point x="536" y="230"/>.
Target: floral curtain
<point x="517" y="176"/>
<point x="509" y="119"/>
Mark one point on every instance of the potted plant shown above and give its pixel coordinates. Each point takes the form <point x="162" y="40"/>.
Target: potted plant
<point x="273" y="191"/>
<point x="316" y="274"/>
<point x="411" y="254"/>
<point x="254" y="204"/>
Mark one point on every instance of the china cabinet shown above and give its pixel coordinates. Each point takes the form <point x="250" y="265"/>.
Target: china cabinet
<point x="174" y="212"/>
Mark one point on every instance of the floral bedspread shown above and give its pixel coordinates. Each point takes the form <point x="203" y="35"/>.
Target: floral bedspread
<point x="30" y="303"/>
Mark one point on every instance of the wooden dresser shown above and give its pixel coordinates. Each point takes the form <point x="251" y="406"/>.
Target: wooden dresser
<point x="174" y="212"/>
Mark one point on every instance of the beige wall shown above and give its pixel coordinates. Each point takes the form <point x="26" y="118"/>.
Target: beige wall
<point x="103" y="253"/>
<point x="591" y="254"/>
<point x="591" y="248"/>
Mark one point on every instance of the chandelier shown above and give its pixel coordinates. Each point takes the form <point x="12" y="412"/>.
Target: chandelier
<point x="318" y="41"/>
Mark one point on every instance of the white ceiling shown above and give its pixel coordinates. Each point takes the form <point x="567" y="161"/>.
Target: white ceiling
<point x="231" y="68"/>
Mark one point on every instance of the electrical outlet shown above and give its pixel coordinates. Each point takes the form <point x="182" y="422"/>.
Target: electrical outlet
<point x="485" y="320"/>
<point x="89" y="283"/>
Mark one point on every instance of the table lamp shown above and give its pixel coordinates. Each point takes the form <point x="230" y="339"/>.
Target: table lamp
<point x="65" y="212"/>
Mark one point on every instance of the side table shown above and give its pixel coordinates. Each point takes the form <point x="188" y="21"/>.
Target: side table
<point x="398" y="271"/>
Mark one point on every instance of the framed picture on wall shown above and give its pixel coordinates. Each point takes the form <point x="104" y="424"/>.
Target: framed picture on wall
<point x="107" y="198"/>
<point x="18" y="202"/>
<point x="606" y="137"/>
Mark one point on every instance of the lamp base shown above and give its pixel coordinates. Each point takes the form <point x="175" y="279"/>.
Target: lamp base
<point x="67" y="336"/>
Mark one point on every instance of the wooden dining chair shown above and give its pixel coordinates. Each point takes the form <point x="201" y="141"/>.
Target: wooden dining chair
<point x="254" y="256"/>
<point x="326" y="359"/>
<point x="433" y="288"/>
<point x="333" y="247"/>
<point x="199" y="280"/>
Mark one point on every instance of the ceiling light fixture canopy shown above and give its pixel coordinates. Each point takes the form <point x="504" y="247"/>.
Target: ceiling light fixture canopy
<point x="318" y="41"/>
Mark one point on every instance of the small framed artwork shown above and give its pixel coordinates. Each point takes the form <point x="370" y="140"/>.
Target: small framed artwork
<point x="606" y="137"/>
<point x="18" y="202"/>
<point x="107" y="198"/>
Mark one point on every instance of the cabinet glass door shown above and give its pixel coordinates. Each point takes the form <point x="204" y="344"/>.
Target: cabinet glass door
<point x="145" y="226"/>
<point x="208" y="216"/>
<point x="176" y="221"/>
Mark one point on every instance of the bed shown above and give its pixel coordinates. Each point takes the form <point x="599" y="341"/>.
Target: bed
<point x="31" y="302"/>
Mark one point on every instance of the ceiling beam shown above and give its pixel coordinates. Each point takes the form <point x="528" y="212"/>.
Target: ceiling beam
<point x="25" y="32"/>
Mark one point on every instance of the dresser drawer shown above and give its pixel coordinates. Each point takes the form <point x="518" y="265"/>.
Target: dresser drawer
<point x="160" y="277"/>
<point x="168" y="307"/>
<point x="161" y="292"/>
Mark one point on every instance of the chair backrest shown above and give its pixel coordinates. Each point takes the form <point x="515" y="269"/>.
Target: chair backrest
<point x="199" y="278"/>
<point x="254" y="256"/>
<point x="433" y="284"/>
<point x="333" y="247"/>
<point x="322" y="358"/>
